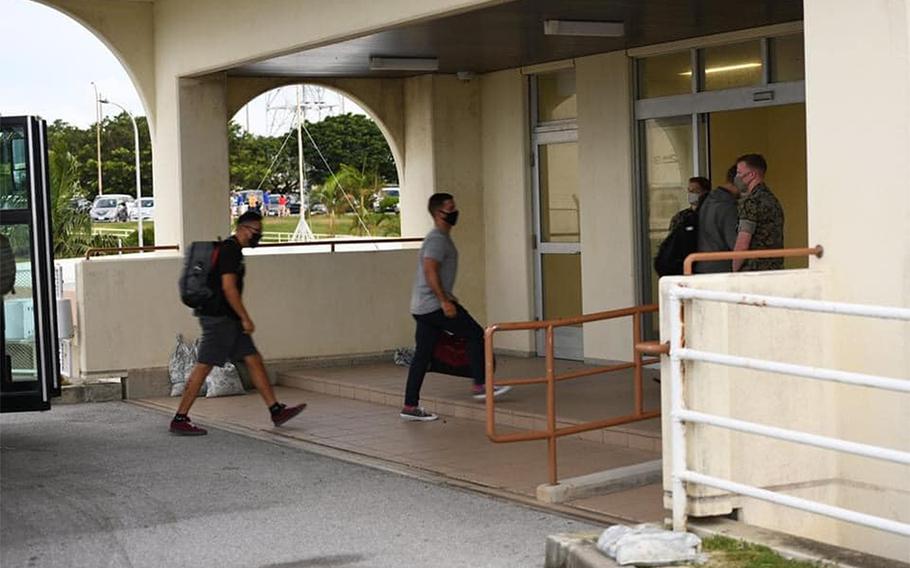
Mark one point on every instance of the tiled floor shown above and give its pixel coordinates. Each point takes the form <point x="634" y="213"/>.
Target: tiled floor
<point x="578" y="400"/>
<point x="452" y="446"/>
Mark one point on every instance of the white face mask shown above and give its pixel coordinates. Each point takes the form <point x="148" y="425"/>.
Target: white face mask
<point x="693" y="198"/>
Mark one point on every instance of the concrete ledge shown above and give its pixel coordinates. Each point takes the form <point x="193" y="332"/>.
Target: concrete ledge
<point x="95" y="390"/>
<point x="575" y="550"/>
<point x="601" y="483"/>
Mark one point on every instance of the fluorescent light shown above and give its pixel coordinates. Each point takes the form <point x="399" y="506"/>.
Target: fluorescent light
<point x="724" y="68"/>
<point x="583" y="28"/>
<point x="404" y="64"/>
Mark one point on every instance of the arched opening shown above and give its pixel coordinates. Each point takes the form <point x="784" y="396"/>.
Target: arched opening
<point x="316" y="163"/>
<point x="94" y="110"/>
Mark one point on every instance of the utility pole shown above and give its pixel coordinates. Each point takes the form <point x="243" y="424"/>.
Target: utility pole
<point x="98" y="134"/>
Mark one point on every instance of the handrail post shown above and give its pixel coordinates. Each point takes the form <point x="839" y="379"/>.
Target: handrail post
<point x="677" y="426"/>
<point x="551" y="407"/>
<point x="489" y="380"/>
<point x="636" y="357"/>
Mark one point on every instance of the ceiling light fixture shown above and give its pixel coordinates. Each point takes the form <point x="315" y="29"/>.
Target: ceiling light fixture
<point x="724" y="68"/>
<point x="583" y="28"/>
<point x="404" y="64"/>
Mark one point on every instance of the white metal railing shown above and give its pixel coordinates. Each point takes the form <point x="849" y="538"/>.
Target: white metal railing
<point x="680" y="416"/>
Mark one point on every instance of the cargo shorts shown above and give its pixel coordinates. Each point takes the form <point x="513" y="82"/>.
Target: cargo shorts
<point x="223" y="340"/>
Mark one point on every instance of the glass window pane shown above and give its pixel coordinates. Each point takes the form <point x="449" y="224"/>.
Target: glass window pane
<point x="561" y="275"/>
<point x="13" y="169"/>
<point x="556" y="96"/>
<point x="730" y="66"/>
<point x="665" y="75"/>
<point x="668" y="165"/>
<point x="787" y="58"/>
<point x="559" y="213"/>
<point x="19" y="309"/>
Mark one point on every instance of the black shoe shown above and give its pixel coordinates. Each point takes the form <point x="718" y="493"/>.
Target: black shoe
<point x="417" y="414"/>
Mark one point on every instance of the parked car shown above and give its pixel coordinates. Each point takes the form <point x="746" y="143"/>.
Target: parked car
<point x="318" y="209"/>
<point x="104" y="208"/>
<point x="148" y="209"/>
<point x="386" y="200"/>
<point x="293" y="204"/>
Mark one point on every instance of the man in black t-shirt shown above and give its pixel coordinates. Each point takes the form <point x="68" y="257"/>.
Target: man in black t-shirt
<point x="227" y="330"/>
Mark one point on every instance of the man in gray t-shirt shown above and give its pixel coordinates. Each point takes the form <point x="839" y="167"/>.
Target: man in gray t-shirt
<point x="436" y="310"/>
<point x="717" y="222"/>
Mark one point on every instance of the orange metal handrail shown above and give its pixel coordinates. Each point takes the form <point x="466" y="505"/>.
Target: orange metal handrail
<point x="816" y="251"/>
<point x="551" y="378"/>
<point x="99" y="251"/>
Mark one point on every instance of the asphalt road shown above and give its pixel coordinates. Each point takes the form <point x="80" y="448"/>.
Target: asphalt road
<point x="105" y="485"/>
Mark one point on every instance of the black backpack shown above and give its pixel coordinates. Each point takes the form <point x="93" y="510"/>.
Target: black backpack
<point x="196" y="280"/>
<point x="679" y="244"/>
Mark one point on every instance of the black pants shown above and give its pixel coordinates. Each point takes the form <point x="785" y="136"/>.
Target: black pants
<point x="429" y="326"/>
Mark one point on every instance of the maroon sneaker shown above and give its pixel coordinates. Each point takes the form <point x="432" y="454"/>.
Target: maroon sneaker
<point x="186" y="428"/>
<point x="286" y="413"/>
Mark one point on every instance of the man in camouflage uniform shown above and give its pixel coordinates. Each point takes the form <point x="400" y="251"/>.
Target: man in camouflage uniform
<point x="761" y="218"/>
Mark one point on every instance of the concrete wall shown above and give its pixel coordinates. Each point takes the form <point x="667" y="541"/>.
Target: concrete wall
<point x="304" y="305"/>
<point x="606" y="194"/>
<point x="507" y="205"/>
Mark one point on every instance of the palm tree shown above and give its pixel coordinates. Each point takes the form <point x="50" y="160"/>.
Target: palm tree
<point x="72" y="229"/>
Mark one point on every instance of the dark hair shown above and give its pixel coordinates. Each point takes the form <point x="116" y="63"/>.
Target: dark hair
<point x="731" y="174"/>
<point x="703" y="182"/>
<point x="249" y="217"/>
<point x="436" y="201"/>
<point x="754" y="161"/>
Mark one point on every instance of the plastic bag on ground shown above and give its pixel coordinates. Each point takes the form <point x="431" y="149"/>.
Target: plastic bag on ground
<point x="649" y="545"/>
<point x="403" y="356"/>
<point x="224" y="381"/>
<point x="181" y="364"/>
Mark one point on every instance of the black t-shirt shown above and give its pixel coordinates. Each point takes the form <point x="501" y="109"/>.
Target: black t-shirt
<point x="230" y="261"/>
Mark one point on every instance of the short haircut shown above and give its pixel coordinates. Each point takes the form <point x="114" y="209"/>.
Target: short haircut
<point x="754" y="161"/>
<point x="703" y="182"/>
<point x="249" y="217"/>
<point x="436" y="201"/>
<point x="731" y="174"/>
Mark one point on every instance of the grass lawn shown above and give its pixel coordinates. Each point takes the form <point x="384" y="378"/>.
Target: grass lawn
<point x="729" y="553"/>
<point x="319" y="224"/>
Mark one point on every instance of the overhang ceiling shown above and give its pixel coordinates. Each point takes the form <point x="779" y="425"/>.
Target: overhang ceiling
<point x="511" y="35"/>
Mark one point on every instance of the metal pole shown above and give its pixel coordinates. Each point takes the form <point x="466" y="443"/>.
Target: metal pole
<point x="677" y="426"/>
<point x="636" y="357"/>
<point x="551" y="407"/>
<point x="300" y="165"/>
<point x="138" y="172"/>
<point x="98" y="134"/>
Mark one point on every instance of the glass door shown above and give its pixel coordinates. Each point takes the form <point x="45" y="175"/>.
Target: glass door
<point x="29" y="364"/>
<point x="557" y="209"/>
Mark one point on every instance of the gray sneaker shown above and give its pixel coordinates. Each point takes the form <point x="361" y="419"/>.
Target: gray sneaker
<point x="497" y="392"/>
<point x="417" y="414"/>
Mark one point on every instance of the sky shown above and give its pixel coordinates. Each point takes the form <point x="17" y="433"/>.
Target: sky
<point x="53" y="79"/>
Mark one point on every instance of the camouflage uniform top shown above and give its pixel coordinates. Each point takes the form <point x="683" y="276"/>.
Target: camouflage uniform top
<point x="760" y="213"/>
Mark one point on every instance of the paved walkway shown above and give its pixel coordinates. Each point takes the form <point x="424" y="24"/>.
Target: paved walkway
<point x="455" y="447"/>
<point x="92" y="485"/>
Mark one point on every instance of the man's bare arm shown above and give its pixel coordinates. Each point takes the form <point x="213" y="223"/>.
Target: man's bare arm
<point x="431" y="272"/>
<point x="232" y="295"/>
<point x="743" y="240"/>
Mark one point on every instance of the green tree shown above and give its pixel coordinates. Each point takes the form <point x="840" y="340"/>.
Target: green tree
<point x="347" y="139"/>
<point x="72" y="229"/>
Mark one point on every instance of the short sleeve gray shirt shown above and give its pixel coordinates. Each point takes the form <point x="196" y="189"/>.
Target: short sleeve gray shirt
<point x="438" y="246"/>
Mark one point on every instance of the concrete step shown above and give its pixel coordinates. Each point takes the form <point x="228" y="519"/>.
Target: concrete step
<point x="310" y="379"/>
<point x="94" y="390"/>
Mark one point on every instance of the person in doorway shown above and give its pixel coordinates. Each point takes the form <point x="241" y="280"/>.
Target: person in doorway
<point x="717" y="221"/>
<point x="436" y="310"/>
<point x="761" y="217"/>
<point x="696" y="191"/>
<point x="227" y="330"/>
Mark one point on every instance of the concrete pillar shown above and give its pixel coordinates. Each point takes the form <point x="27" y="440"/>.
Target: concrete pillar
<point x="605" y="184"/>
<point x="858" y="139"/>
<point x="192" y="170"/>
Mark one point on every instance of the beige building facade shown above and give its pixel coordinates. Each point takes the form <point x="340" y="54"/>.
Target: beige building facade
<point x="567" y="155"/>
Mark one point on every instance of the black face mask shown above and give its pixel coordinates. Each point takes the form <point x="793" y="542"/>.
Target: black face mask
<point x="255" y="238"/>
<point x="451" y="217"/>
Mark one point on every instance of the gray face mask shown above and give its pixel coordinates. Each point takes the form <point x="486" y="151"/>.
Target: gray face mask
<point x="693" y="198"/>
<point x="740" y="184"/>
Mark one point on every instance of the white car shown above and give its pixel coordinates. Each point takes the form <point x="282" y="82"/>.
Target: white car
<point x="148" y="209"/>
<point x="104" y="208"/>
